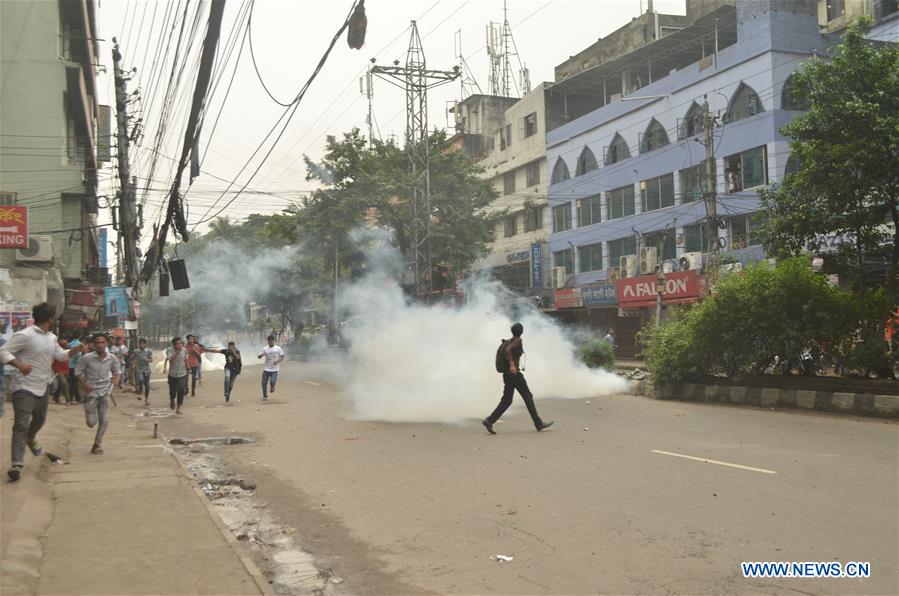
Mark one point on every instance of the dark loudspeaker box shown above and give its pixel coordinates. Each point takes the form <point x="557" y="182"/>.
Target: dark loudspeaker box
<point x="179" y="275"/>
<point x="163" y="284"/>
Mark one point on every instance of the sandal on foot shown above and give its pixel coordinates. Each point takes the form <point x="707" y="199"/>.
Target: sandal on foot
<point x="36" y="449"/>
<point x="14" y="473"/>
<point x="97" y="450"/>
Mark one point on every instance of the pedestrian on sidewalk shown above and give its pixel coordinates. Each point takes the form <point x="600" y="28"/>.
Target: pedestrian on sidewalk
<point x="31" y="352"/>
<point x="61" y="375"/>
<point x="176" y="364"/>
<point x="273" y="355"/>
<point x="233" y="365"/>
<point x="2" y="380"/>
<point x="98" y="372"/>
<point x="513" y="379"/>
<point x="142" y="359"/>
<point x="74" y="392"/>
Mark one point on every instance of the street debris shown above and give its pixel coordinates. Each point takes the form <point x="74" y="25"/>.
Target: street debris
<point x="287" y="567"/>
<point x="503" y="558"/>
<point x="56" y="459"/>
<point x="637" y="375"/>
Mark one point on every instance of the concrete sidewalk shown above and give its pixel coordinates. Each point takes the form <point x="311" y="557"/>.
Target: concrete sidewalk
<point x="126" y="522"/>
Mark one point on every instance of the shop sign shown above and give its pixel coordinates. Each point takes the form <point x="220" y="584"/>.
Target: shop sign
<point x="116" y="302"/>
<point x="517" y="257"/>
<point x="601" y="293"/>
<point x="13" y="226"/>
<point x="680" y="287"/>
<point x="536" y="266"/>
<point x="568" y="298"/>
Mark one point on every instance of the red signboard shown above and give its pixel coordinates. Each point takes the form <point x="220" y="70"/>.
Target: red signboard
<point x="568" y="298"/>
<point x="13" y="226"/>
<point x="680" y="287"/>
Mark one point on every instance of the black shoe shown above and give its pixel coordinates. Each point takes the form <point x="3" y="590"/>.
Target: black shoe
<point x="489" y="426"/>
<point x="544" y="425"/>
<point x="14" y="473"/>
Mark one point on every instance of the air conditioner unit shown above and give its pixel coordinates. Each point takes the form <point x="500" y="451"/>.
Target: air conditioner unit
<point x="40" y="249"/>
<point x="648" y="260"/>
<point x="614" y="273"/>
<point x="559" y="277"/>
<point x="628" y="264"/>
<point x="668" y="266"/>
<point x="691" y="261"/>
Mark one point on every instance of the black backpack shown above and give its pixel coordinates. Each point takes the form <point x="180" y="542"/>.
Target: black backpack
<point x="502" y="363"/>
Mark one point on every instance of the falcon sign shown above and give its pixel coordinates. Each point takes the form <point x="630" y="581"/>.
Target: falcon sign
<point x="680" y="287"/>
<point x="13" y="226"/>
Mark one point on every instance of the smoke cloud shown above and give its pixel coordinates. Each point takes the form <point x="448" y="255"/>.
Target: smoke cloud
<point x="410" y="362"/>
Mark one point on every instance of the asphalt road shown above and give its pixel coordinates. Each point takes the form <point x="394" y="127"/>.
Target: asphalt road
<point x="604" y="502"/>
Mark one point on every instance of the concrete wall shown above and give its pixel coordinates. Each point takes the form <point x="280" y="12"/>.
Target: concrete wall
<point x="35" y="164"/>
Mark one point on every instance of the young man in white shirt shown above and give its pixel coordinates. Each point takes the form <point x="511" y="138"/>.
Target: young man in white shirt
<point x="273" y="355"/>
<point x="31" y="352"/>
<point x="98" y="372"/>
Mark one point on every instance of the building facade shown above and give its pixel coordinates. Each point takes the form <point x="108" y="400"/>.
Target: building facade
<point x="627" y="179"/>
<point x="48" y="122"/>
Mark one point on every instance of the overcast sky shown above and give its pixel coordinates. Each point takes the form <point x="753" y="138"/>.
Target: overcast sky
<point x="289" y="37"/>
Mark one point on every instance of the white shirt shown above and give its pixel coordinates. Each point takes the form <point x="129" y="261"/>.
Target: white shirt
<point x="272" y="355"/>
<point x="38" y="348"/>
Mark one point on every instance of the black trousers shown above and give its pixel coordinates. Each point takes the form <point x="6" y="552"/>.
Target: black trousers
<point x="74" y="392"/>
<point x="511" y="383"/>
<point x="194" y="376"/>
<point x="177" y="388"/>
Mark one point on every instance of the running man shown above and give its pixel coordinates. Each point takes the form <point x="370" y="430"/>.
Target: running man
<point x="273" y="355"/>
<point x="195" y="361"/>
<point x="233" y="365"/>
<point x="31" y="352"/>
<point x="120" y="351"/>
<point x="142" y="359"/>
<point x="513" y="379"/>
<point x="176" y="364"/>
<point x="98" y="372"/>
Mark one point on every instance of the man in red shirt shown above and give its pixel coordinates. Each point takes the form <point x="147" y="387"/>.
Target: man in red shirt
<point x="61" y="374"/>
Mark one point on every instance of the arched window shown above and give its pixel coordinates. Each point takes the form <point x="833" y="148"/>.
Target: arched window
<point x="692" y="124"/>
<point x="743" y="104"/>
<point x="617" y="151"/>
<point x="791" y="98"/>
<point x="586" y="162"/>
<point x="560" y="172"/>
<point x="793" y="166"/>
<point x="654" y="137"/>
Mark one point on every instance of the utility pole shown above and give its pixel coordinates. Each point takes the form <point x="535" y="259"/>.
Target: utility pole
<point x="129" y="235"/>
<point x="711" y="188"/>
<point x="417" y="79"/>
<point x="367" y="90"/>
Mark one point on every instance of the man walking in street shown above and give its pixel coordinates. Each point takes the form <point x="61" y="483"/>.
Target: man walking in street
<point x="273" y="355"/>
<point x="233" y="365"/>
<point x="31" y="352"/>
<point x="98" y="372"/>
<point x="195" y="362"/>
<point x="142" y="359"/>
<point x="74" y="393"/>
<point x="513" y="380"/>
<point x="176" y="364"/>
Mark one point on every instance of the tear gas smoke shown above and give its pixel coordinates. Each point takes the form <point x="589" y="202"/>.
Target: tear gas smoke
<point x="434" y="363"/>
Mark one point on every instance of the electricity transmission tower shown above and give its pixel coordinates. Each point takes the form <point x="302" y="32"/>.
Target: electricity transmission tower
<point x="416" y="79"/>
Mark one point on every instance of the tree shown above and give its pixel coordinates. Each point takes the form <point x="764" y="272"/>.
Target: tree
<point x="847" y="145"/>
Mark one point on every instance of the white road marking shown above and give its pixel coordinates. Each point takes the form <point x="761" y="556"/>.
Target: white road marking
<point x="714" y="461"/>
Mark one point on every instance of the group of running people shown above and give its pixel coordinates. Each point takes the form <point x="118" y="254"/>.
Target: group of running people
<point x="86" y="371"/>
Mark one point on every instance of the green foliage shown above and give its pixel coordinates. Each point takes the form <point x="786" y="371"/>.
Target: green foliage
<point x="597" y="353"/>
<point x="847" y="145"/>
<point x="752" y="319"/>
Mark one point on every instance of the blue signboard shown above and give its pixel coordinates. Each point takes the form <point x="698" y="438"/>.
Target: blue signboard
<point x="536" y="267"/>
<point x="116" y="302"/>
<point x="103" y="242"/>
<point x="601" y="293"/>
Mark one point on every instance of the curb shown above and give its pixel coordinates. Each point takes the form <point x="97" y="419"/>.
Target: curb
<point x="248" y="563"/>
<point x="859" y="404"/>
